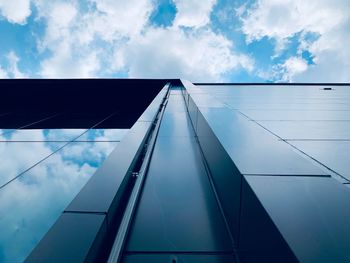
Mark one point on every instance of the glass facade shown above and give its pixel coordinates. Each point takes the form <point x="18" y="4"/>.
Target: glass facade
<point x="41" y="171"/>
<point x="205" y="173"/>
<point x="313" y="120"/>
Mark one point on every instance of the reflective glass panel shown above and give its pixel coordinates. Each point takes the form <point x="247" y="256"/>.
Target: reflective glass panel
<point x="17" y="157"/>
<point x="31" y="204"/>
<point x="63" y="135"/>
<point x="103" y="135"/>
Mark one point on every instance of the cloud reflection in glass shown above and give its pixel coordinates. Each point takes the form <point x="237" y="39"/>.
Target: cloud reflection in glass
<point x="31" y="204"/>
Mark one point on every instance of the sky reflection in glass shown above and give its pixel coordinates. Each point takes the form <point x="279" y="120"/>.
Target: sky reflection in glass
<point x="17" y="157"/>
<point x="62" y="135"/>
<point x="31" y="204"/>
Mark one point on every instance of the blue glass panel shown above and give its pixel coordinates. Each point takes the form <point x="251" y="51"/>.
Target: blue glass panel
<point x="31" y="204"/>
<point x="253" y="149"/>
<point x="333" y="154"/>
<point x="309" y="130"/>
<point x="103" y="135"/>
<point x="311" y="214"/>
<point x="280" y="97"/>
<point x="63" y="135"/>
<point x="298" y="115"/>
<point x="6" y="133"/>
<point x="17" y="157"/>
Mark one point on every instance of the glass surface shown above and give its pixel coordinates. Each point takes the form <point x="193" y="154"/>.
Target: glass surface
<point x="6" y="133"/>
<point x="333" y="154"/>
<point x="63" y="135"/>
<point x="311" y="213"/>
<point x="297" y="115"/>
<point x="17" y="157"/>
<point x="177" y="210"/>
<point x="309" y="130"/>
<point x="280" y="97"/>
<point x="41" y="171"/>
<point x="31" y="204"/>
<point x="247" y="144"/>
<point x="103" y="135"/>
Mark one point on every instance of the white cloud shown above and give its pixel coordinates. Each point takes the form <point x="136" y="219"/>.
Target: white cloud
<point x="121" y="17"/>
<point x="290" y="68"/>
<point x="3" y="73"/>
<point x="173" y="53"/>
<point x="331" y="56"/>
<point x="13" y="66"/>
<point x="11" y="70"/>
<point x="128" y="43"/>
<point x="195" y="13"/>
<point x="66" y="60"/>
<point x="329" y="66"/>
<point x="71" y="34"/>
<point x="282" y="19"/>
<point x="107" y="36"/>
<point x="15" y="11"/>
<point x="60" y="17"/>
<point x="67" y="63"/>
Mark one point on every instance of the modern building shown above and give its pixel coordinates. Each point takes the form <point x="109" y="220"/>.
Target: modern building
<point x="171" y="171"/>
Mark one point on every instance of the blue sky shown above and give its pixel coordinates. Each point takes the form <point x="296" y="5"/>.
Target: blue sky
<point x="200" y="40"/>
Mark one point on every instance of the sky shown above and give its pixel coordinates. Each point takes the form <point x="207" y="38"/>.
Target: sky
<point x="198" y="40"/>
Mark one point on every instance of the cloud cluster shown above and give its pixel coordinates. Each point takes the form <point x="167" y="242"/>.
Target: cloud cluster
<point x="193" y="13"/>
<point x="175" y="53"/>
<point x="15" y="11"/>
<point x="287" y="70"/>
<point x="108" y="38"/>
<point x="12" y="70"/>
<point x="283" y="19"/>
<point x="99" y="38"/>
